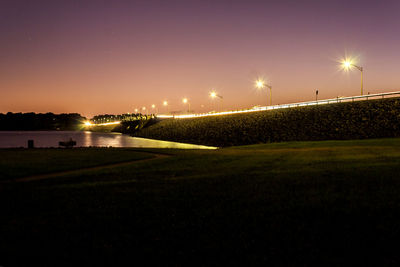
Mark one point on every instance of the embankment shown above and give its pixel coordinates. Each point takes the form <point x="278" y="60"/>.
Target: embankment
<point x="340" y="121"/>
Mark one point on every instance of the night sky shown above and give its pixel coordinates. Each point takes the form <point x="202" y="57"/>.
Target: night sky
<point x="97" y="57"/>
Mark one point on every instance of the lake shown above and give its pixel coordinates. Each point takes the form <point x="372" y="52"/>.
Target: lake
<point x="9" y="139"/>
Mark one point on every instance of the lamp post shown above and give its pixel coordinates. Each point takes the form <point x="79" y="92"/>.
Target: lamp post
<point x="155" y="111"/>
<point x="213" y="95"/>
<point x="165" y="104"/>
<point x="347" y="64"/>
<point x="186" y="101"/>
<point x="260" y="84"/>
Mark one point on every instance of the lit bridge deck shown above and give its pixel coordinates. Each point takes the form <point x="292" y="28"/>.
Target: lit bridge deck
<point x="264" y="108"/>
<point x="292" y="105"/>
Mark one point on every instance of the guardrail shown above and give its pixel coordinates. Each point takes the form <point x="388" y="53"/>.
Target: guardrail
<point x="292" y="105"/>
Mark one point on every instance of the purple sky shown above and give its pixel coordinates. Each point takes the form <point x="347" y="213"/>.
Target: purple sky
<point x="96" y="57"/>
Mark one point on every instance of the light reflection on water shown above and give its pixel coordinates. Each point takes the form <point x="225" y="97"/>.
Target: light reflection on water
<point x="85" y="139"/>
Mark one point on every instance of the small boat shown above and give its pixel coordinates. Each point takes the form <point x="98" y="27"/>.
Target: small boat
<point x="67" y="144"/>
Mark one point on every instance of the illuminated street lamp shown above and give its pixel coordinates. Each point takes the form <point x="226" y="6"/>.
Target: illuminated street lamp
<point x="347" y="64"/>
<point x="154" y="108"/>
<point x="186" y="101"/>
<point x="214" y="94"/>
<point x="165" y="104"/>
<point x="260" y="84"/>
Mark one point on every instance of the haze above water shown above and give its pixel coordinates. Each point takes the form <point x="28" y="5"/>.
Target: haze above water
<point x="10" y="139"/>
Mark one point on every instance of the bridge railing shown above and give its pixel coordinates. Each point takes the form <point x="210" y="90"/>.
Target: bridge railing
<point x="337" y="100"/>
<point x="291" y="105"/>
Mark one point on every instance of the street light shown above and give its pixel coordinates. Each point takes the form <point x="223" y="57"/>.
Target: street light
<point x="165" y="104"/>
<point x="186" y="101"/>
<point x="347" y="64"/>
<point x="260" y="84"/>
<point x="214" y="94"/>
<point x="154" y="108"/>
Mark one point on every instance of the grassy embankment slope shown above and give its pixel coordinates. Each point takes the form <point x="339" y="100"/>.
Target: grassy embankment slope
<point x="298" y="203"/>
<point x="341" y="121"/>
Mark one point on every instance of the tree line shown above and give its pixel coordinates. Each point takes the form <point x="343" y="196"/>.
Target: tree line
<point x="40" y="121"/>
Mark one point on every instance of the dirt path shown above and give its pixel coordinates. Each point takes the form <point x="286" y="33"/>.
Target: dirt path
<point x="77" y="171"/>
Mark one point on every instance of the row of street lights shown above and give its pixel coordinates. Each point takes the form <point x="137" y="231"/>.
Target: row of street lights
<point x="347" y="64"/>
<point x="185" y="101"/>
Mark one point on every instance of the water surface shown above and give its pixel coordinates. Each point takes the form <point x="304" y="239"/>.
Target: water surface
<point x="10" y="139"/>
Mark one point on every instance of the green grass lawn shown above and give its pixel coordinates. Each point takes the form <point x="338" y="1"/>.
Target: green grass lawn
<point x="15" y="163"/>
<point x="300" y="203"/>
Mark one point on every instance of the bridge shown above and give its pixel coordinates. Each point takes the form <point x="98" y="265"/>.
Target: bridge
<point x="264" y="108"/>
<point x="292" y="105"/>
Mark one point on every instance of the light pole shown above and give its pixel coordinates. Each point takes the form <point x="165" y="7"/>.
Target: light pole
<point x="165" y="104"/>
<point x="213" y="95"/>
<point x="347" y="64"/>
<point x="186" y="101"/>
<point x="260" y="84"/>
<point x="154" y="109"/>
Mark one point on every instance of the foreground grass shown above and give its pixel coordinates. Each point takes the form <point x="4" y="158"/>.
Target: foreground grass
<point x="15" y="163"/>
<point x="300" y="203"/>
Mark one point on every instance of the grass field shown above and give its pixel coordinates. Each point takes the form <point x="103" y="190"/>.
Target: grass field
<point x="16" y="163"/>
<point x="322" y="203"/>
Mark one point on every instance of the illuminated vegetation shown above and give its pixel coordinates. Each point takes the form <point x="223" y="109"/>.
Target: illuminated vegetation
<point x="351" y="120"/>
<point x="126" y="123"/>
